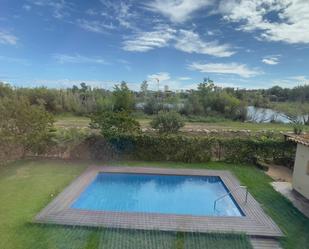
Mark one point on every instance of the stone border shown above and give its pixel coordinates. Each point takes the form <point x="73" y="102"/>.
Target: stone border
<point x="254" y="223"/>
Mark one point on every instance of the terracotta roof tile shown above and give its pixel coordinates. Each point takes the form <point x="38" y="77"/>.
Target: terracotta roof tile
<point x="301" y="139"/>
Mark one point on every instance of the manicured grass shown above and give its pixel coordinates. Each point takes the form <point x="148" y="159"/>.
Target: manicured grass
<point x="27" y="186"/>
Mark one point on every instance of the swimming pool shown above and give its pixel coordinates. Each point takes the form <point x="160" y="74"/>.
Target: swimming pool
<point x="155" y="193"/>
<point x="155" y="198"/>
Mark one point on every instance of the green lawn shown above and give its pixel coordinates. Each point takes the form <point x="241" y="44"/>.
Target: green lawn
<point x="27" y="186"/>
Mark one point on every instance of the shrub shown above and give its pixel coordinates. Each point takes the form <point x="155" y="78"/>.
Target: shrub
<point x="166" y="122"/>
<point x="24" y="123"/>
<point x="298" y="127"/>
<point x="181" y="148"/>
<point x="177" y="147"/>
<point x="69" y="137"/>
<point x="123" y="98"/>
<point x="25" y="126"/>
<point x="152" y="106"/>
<point x="114" y="123"/>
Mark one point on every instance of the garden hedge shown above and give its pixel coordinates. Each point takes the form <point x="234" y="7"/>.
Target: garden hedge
<point x="154" y="147"/>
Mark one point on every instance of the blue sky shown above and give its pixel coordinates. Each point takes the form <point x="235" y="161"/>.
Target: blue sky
<point x="238" y="43"/>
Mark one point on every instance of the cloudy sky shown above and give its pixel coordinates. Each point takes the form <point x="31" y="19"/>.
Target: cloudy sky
<point x="240" y="43"/>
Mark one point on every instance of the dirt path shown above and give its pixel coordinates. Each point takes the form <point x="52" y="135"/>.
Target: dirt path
<point x="280" y="173"/>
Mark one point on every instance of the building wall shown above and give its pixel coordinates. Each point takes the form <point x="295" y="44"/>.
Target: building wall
<point x="301" y="170"/>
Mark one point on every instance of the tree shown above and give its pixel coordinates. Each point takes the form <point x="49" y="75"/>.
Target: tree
<point x="193" y="105"/>
<point x="295" y="111"/>
<point x="84" y="87"/>
<point x="5" y="90"/>
<point x="123" y="98"/>
<point x="167" y="122"/>
<point x="114" y="123"/>
<point x="152" y="106"/>
<point x="144" y="89"/>
<point x="24" y="124"/>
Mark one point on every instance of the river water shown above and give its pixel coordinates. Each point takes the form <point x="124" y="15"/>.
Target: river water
<point x="266" y="115"/>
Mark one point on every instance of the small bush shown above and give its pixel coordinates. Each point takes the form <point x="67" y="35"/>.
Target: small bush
<point x="167" y="122"/>
<point x="64" y="138"/>
<point x="114" y="123"/>
<point x="152" y="106"/>
<point x="298" y="128"/>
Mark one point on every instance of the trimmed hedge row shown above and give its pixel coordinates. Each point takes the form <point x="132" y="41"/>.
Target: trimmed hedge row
<point x="153" y="147"/>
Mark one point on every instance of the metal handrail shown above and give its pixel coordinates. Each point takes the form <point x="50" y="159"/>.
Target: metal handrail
<point x="233" y="190"/>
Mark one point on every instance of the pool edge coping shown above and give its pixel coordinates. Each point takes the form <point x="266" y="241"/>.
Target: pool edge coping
<point x="254" y="223"/>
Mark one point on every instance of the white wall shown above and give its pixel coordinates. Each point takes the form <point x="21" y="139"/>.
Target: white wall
<point x="300" y="174"/>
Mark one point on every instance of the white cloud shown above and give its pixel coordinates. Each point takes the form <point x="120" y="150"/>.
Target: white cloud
<point x="91" y="12"/>
<point x="225" y="68"/>
<point x="60" y="8"/>
<point x="66" y="83"/>
<point x="95" y="26"/>
<point x="292" y="81"/>
<point x="190" y="42"/>
<point x="162" y="79"/>
<point x="65" y="58"/>
<point x="183" y="40"/>
<point x="184" y="78"/>
<point x="145" y="41"/>
<point x="162" y="76"/>
<point x="27" y="7"/>
<point x="125" y="15"/>
<point x="7" y="38"/>
<point x="289" y="22"/>
<point x="177" y="10"/>
<point x="271" y="60"/>
<point x="121" y="13"/>
<point x="300" y="78"/>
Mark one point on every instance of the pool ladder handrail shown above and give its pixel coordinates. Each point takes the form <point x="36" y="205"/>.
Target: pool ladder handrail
<point x="233" y="190"/>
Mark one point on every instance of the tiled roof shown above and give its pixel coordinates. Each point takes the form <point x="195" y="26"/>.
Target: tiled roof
<point x="301" y="139"/>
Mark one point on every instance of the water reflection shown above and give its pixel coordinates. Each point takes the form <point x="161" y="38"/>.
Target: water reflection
<point x="266" y="115"/>
<point x="150" y="193"/>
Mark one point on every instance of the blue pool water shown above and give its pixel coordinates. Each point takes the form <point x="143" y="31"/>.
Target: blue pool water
<point x="166" y="194"/>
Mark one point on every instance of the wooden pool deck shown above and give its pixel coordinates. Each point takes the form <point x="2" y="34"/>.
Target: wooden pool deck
<point x="254" y="222"/>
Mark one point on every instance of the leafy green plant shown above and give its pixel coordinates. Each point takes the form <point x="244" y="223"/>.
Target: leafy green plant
<point x="167" y="122"/>
<point x="181" y="148"/>
<point x="123" y="98"/>
<point x="24" y="124"/>
<point x="152" y="106"/>
<point x="298" y="127"/>
<point x="114" y="123"/>
<point x="70" y="137"/>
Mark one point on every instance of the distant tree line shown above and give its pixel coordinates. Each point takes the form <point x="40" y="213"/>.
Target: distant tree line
<point x="207" y="100"/>
<point x="275" y="94"/>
